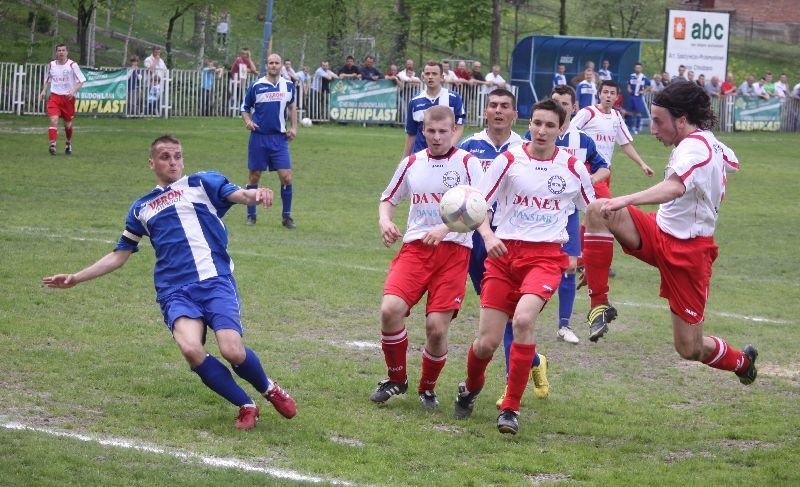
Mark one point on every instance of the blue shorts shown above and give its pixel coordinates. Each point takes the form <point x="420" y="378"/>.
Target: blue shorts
<point x="476" y="261"/>
<point x="268" y="152"/>
<point x="636" y="104"/>
<point x="573" y="246"/>
<point x="215" y="301"/>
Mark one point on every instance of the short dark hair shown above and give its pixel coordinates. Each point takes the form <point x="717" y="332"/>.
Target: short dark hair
<point x="564" y="90"/>
<point x="689" y="100"/>
<point x="611" y="83"/>
<point x="433" y="62"/>
<point x="164" y="139"/>
<point x="502" y="92"/>
<point x="552" y="106"/>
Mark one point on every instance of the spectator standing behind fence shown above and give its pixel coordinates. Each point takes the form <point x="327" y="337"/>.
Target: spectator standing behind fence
<point x="134" y="86"/>
<point x="222" y="28"/>
<point x="461" y="71"/>
<point x="154" y="96"/>
<point x="657" y="83"/>
<point x="748" y="87"/>
<point x="242" y="65"/>
<point x="494" y="80"/>
<point x="64" y="78"/>
<point x="368" y="71"/>
<point x="320" y="87"/>
<point x="288" y="73"/>
<point x="154" y="64"/>
<point x="713" y="87"/>
<point x="781" y="88"/>
<point x="391" y="74"/>
<point x="728" y="86"/>
<point x="448" y="75"/>
<point x="209" y="74"/>
<point x="349" y="70"/>
<point x="408" y="75"/>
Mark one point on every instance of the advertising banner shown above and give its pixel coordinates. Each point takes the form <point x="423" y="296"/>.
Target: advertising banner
<point x="699" y="41"/>
<point x="103" y="93"/>
<point x="363" y="101"/>
<point x="751" y="113"/>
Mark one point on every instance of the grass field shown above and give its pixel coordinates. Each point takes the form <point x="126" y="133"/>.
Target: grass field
<point x="94" y="392"/>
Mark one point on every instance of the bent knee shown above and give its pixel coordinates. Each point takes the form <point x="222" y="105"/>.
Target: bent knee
<point x="689" y="352"/>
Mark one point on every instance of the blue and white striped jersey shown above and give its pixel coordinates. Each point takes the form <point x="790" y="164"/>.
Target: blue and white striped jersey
<point x="184" y="224"/>
<point x="482" y="147"/>
<point x="268" y="104"/>
<point x="416" y="113"/>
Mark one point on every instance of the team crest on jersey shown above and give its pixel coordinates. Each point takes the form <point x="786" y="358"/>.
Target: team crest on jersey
<point x="451" y="179"/>
<point x="556" y="184"/>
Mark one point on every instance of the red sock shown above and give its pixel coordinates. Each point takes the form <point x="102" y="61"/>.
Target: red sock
<point x="68" y="132"/>
<point x="432" y="366"/>
<point x="394" y="348"/>
<point x="726" y="358"/>
<point x="598" y="252"/>
<point x="52" y="134"/>
<point x="519" y="367"/>
<point x="476" y="370"/>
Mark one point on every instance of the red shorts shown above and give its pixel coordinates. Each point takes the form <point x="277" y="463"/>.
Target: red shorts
<point x="684" y="264"/>
<point x="603" y="189"/>
<point x="441" y="270"/>
<point x="61" y="106"/>
<point x="527" y="268"/>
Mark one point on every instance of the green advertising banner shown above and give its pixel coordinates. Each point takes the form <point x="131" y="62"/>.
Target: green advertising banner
<point x="103" y="93"/>
<point x="363" y="101"/>
<point x="756" y="114"/>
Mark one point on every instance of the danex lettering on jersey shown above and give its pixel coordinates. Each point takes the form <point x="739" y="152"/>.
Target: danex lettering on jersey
<point x="165" y="200"/>
<point x="366" y="115"/>
<point x="417" y="198"/>
<point x="541" y="203"/>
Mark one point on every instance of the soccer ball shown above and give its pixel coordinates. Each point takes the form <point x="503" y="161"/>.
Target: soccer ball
<point x="462" y="208"/>
<point x="306" y="122"/>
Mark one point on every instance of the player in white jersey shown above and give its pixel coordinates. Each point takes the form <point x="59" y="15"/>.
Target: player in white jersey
<point x="539" y="186"/>
<point x="432" y="259"/>
<point x="500" y="114"/>
<point x="679" y="238"/>
<point x="64" y="78"/>
<point x="606" y="126"/>
<point x="195" y="288"/>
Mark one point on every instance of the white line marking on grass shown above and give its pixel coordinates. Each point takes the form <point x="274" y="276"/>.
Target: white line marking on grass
<point x="361" y="345"/>
<point x="181" y="455"/>
<point x="756" y="319"/>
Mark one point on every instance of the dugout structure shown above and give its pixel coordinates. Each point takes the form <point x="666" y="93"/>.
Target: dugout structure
<point x="535" y="58"/>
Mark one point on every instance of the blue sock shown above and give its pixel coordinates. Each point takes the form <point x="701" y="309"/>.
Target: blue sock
<point x="508" y="337"/>
<point x="286" y="198"/>
<point x="219" y="379"/>
<point x="566" y="299"/>
<point x="252" y="371"/>
<point x="638" y="122"/>
<point x="251" y="209"/>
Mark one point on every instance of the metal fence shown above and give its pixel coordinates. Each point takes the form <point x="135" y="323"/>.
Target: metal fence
<point x="182" y="93"/>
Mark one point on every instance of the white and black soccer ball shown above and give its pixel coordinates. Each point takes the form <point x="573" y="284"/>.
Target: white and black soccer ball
<point x="306" y="122"/>
<point x="462" y="208"/>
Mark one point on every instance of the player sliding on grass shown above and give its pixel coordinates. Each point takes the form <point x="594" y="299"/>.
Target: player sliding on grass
<point x="679" y="238"/>
<point x="193" y="273"/>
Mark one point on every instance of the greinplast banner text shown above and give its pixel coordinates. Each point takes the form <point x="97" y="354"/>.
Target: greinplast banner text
<point x="103" y="93"/>
<point x="699" y="41"/>
<point x="363" y="101"/>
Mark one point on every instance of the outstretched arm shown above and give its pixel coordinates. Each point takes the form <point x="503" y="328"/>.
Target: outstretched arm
<point x="252" y="196"/>
<point x="666" y="190"/>
<point x="108" y="263"/>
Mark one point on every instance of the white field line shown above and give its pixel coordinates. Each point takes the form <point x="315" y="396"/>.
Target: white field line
<point x="333" y="263"/>
<point x="180" y="454"/>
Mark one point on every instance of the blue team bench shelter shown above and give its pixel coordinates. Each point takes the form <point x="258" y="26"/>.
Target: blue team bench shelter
<point x="535" y="58"/>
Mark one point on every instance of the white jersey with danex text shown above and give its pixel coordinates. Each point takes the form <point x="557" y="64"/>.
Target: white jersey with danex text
<point x="701" y="161"/>
<point x="63" y="77"/>
<point x="535" y="196"/>
<point x="606" y="129"/>
<point x="423" y="179"/>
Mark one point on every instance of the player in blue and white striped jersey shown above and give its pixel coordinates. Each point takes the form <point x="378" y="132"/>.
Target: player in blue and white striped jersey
<point x="638" y="84"/>
<point x="266" y="105"/>
<point x="193" y="276"/>
<point x="433" y="94"/>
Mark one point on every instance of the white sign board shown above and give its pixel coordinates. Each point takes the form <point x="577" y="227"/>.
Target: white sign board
<point x="697" y="40"/>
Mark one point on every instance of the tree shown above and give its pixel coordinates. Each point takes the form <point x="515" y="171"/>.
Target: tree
<point x="180" y="9"/>
<point x="494" y="43"/>
<point x="85" y="9"/>
<point x="402" y="26"/>
<point x="624" y="18"/>
<point x="337" y="14"/>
